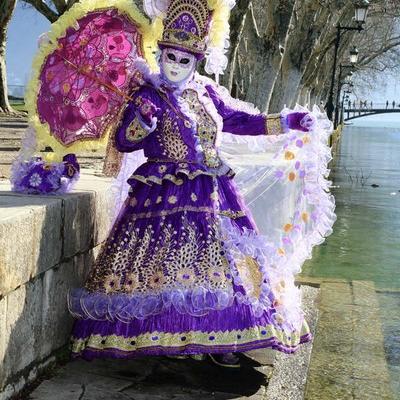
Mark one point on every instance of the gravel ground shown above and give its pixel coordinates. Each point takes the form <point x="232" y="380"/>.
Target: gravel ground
<point x="289" y="375"/>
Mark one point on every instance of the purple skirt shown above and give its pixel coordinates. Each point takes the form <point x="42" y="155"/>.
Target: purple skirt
<point x="182" y="273"/>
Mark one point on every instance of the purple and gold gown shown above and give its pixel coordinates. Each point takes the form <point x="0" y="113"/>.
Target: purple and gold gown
<point x="183" y="270"/>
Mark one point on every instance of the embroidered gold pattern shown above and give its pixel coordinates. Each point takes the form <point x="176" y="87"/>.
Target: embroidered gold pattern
<point x="131" y="283"/>
<point x="250" y="274"/>
<point x="177" y="181"/>
<point x="193" y="197"/>
<point x="174" y="210"/>
<point x="112" y="283"/>
<point x="171" y="140"/>
<point x="157" y="258"/>
<point x="172" y="199"/>
<point x="206" y="128"/>
<point x="232" y="214"/>
<point x="135" y="132"/>
<point x="273" y="124"/>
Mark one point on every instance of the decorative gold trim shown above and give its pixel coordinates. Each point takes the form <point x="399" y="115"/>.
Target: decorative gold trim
<point x="232" y="214"/>
<point x="273" y="124"/>
<point x="174" y="44"/>
<point x="161" y="213"/>
<point x="199" y="338"/>
<point x="135" y="132"/>
<point x="174" y="210"/>
<point x="206" y="128"/>
<point x="177" y="181"/>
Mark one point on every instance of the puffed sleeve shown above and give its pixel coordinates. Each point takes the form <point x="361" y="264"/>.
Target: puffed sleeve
<point x="239" y="118"/>
<point x="133" y="132"/>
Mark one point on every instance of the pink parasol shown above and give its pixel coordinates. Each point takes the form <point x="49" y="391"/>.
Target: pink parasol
<point x="86" y="80"/>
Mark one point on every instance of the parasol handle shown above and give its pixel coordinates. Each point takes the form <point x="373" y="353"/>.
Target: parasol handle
<point x="99" y="81"/>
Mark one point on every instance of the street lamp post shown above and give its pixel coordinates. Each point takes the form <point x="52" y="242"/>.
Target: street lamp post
<point x="361" y="10"/>
<point x="344" y="99"/>
<point x="353" y="61"/>
<point x="347" y="81"/>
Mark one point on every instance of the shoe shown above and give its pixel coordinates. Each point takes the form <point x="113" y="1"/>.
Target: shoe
<point x="198" y="357"/>
<point x="228" y="360"/>
<point x="177" y="357"/>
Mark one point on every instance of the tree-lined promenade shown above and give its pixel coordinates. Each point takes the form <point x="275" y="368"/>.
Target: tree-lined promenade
<point x="281" y="52"/>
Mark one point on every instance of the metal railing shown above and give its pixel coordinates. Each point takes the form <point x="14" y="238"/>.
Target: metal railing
<point x="356" y="109"/>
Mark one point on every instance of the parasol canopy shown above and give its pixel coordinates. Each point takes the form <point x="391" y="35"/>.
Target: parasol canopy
<point x="85" y="81"/>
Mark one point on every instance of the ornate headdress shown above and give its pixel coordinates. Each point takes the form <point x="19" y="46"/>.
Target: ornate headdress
<point x="186" y="26"/>
<point x="198" y="26"/>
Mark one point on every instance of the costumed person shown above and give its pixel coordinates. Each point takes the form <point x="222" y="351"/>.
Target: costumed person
<point x="185" y="269"/>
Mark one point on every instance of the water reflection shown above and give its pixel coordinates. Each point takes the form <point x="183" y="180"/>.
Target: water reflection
<point x="365" y="244"/>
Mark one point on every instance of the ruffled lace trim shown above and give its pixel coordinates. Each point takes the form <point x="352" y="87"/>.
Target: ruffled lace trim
<point x="125" y="308"/>
<point x="158" y="172"/>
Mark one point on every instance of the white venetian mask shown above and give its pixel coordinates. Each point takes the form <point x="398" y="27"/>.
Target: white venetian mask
<point x="177" y="66"/>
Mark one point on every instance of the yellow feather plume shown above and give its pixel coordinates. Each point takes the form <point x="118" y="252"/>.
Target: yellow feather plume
<point x="151" y="34"/>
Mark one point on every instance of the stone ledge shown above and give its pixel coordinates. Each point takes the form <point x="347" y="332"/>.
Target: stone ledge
<point x="47" y="246"/>
<point x="40" y="232"/>
<point x="348" y="358"/>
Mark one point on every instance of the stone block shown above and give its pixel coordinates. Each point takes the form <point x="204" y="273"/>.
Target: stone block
<point x="56" y="320"/>
<point x="87" y="221"/>
<point x="364" y="294"/>
<point x="335" y="295"/>
<point x="3" y="310"/>
<point x="22" y="334"/>
<point x="30" y="238"/>
<point x="34" y="319"/>
<point x="49" y="392"/>
<point x="373" y="390"/>
<point x="78" y="223"/>
<point x="324" y="387"/>
<point x="104" y="211"/>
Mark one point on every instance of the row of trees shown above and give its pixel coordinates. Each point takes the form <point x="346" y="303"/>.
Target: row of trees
<point x="281" y="50"/>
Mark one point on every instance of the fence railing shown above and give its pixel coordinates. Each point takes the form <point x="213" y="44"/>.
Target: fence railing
<point x="370" y="105"/>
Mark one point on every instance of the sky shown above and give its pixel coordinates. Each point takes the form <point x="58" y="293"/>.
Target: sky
<point x="27" y="24"/>
<point x="23" y="31"/>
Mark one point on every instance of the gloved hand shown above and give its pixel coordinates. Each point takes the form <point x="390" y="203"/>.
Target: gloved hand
<point x="147" y="111"/>
<point x="71" y="166"/>
<point x="299" y="121"/>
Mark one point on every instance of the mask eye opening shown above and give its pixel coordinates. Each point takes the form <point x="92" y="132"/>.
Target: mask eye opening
<point x="171" y="56"/>
<point x="185" y="61"/>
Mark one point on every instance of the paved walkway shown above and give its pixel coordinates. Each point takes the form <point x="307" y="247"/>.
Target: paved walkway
<point x="345" y="361"/>
<point x="348" y="359"/>
<point x="164" y="379"/>
<point x="12" y="130"/>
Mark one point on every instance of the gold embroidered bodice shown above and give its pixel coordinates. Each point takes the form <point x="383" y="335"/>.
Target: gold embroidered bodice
<point x="206" y="127"/>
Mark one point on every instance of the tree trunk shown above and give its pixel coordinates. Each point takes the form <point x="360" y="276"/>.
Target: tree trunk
<point x="318" y="70"/>
<point x="237" y="22"/>
<point x="269" y="45"/>
<point x="6" y="12"/>
<point x="258" y="34"/>
<point x="308" y="22"/>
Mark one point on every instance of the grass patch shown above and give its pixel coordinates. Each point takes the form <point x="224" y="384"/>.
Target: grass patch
<point x="19" y="107"/>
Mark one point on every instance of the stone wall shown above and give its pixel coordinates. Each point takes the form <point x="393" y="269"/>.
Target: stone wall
<point x="47" y="245"/>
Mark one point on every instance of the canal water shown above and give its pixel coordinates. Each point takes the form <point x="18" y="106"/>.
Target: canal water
<point x="365" y="244"/>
